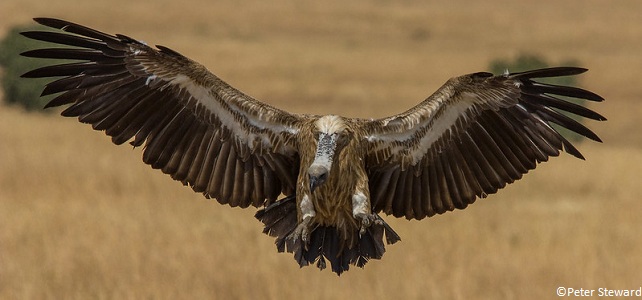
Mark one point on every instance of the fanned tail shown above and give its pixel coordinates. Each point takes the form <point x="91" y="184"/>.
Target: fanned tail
<point x="280" y="219"/>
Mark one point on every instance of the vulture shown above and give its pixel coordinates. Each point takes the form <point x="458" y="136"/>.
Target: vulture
<point x="334" y="175"/>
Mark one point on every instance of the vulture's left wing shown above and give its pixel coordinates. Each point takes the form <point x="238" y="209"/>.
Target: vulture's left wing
<point x="473" y="136"/>
<point x="194" y="126"/>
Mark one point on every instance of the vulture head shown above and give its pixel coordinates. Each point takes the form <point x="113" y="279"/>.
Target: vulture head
<point x="332" y="136"/>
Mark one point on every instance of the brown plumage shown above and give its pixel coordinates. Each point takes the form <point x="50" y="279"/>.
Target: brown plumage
<point x="473" y="136"/>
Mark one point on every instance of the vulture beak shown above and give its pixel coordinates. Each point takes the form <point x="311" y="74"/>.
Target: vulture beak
<point x="317" y="177"/>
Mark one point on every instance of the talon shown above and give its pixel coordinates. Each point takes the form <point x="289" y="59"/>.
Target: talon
<point x="366" y="221"/>
<point x="304" y="235"/>
<point x="302" y="230"/>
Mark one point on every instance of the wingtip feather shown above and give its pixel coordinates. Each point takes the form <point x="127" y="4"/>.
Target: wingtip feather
<point x="51" y="22"/>
<point x="549" y="72"/>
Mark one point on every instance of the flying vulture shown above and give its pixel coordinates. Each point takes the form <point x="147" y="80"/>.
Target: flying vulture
<point x="474" y="135"/>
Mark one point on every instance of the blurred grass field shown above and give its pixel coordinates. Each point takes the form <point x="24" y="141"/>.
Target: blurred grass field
<point x="81" y="218"/>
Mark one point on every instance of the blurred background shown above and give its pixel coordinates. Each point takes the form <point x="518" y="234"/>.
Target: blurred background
<point x="82" y="218"/>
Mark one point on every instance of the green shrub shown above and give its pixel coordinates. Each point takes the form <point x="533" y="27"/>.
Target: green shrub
<point x="21" y="91"/>
<point x="525" y="62"/>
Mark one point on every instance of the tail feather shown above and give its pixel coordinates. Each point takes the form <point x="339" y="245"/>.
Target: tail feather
<point x="280" y="219"/>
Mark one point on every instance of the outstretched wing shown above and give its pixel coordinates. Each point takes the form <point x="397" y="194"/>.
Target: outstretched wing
<point x="473" y="136"/>
<point x="193" y="125"/>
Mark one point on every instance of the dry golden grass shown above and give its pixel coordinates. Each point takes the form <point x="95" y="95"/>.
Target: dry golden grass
<point x="81" y="218"/>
